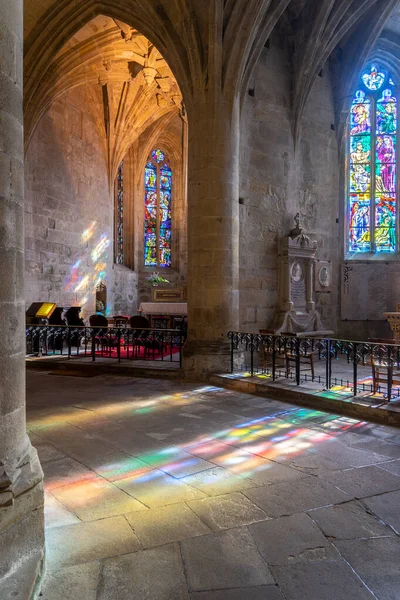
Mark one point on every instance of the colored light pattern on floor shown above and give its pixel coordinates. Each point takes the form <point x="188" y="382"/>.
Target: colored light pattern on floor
<point x="249" y="448"/>
<point x="364" y="387"/>
<point x="346" y="391"/>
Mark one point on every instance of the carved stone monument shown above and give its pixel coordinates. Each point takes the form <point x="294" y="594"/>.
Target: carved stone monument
<point x="296" y="306"/>
<point x="393" y="319"/>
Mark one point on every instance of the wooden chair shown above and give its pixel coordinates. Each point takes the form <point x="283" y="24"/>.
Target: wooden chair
<point x="383" y="373"/>
<point x="306" y="360"/>
<point x="265" y="354"/>
<point x="102" y="338"/>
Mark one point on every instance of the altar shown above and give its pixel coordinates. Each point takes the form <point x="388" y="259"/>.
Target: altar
<point x="165" y="315"/>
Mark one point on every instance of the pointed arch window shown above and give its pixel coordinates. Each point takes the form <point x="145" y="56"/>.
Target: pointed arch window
<point x="119" y="215"/>
<point x="372" y="214"/>
<point x="157" y="206"/>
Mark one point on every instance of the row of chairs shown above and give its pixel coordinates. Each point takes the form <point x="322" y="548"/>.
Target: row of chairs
<point x="135" y="322"/>
<point x="383" y="374"/>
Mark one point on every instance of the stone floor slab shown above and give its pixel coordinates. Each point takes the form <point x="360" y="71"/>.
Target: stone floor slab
<point x="332" y="455"/>
<point x="345" y="457"/>
<point x="392" y="466"/>
<point x="133" y="442"/>
<point x="262" y="592"/>
<point x="48" y="452"/>
<point x="175" y="462"/>
<point x="120" y="465"/>
<point x="320" y="581"/>
<point x="227" y="511"/>
<point x="70" y="583"/>
<point x="376" y="561"/>
<point x="218" y="481"/>
<point x="86" y="542"/>
<point x="279" y="499"/>
<point x="264" y="471"/>
<point x="348" y="521"/>
<point x="157" y="488"/>
<point x="223" y="560"/>
<point x="378" y="446"/>
<point x="166" y="525"/>
<point x="65" y="472"/>
<point x="55" y="514"/>
<point x="75" y="442"/>
<point x="155" y="574"/>
<point x="97" y="499"/>
<point x="364" y="481"/>
<point x="386" y="507"/>
<point x="290" y="540"/>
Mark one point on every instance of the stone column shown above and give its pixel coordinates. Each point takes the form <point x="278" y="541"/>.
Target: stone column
<point x="213" y="234"/>
<point x="21" y="492"/>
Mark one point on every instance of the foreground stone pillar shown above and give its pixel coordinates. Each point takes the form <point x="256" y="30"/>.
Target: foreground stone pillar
<point x="21" y="491"/>
<point x="213" y="234"/>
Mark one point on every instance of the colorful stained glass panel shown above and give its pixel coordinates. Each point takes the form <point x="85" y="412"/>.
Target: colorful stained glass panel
<point x="119" y="242"/>
<point x="360" y="211"/>
<point x="360" y="115"/>
<point x="165" y="216"/>
<point x="386" y="114"/>
<point x="158" y="155"/>
<point x="385" y="177"/>
<point x="150" y="176"/>
<point x="158" y="186"/>
<point x="150" y="215"/>
<point x="374" y="79"/>
<point x="360" y="178"/>
<point x="360" y="149"/>
<point x="150" y="245"/>
<point x="373" y="168"/>
<point x="385" y="225"/>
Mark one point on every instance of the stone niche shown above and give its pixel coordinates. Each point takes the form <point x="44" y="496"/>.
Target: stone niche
<point x="296" y="306"/>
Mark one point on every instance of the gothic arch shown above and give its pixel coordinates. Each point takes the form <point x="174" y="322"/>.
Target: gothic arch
<point x="66" y="18"/>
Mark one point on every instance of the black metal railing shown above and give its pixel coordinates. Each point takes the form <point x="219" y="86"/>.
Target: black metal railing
<point x="344" y="364"/>
<point x="121" y="343"/>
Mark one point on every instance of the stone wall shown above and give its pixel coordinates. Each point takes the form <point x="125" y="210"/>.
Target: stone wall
<point x="124" y="291"/>
<point x="278" y="180"/>
<point x="368" y="289"/>
<point x="68" y="208"/>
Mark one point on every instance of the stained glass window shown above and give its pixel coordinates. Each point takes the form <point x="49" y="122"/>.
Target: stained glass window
<point x="157" y="205"/>
<point x="119" y="216"/>
<point x="372" y="204"/>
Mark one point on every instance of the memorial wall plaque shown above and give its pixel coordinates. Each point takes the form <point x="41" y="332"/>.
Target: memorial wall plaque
<point x="168" y="295"/>
<point x="298" y="286"/>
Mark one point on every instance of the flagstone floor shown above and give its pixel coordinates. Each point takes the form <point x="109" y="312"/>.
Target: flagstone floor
<point x="161" y="490"/>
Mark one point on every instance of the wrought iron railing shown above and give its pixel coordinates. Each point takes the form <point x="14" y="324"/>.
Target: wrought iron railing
<point x="352" y="365"/>
<point x="121" y="343"/>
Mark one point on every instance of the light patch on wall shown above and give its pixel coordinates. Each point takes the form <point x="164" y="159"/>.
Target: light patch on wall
<point x="101" y="247"/>
<point x="82" y="284"/>
<point x="88" y="233"/>
<point x="73" y="278"/>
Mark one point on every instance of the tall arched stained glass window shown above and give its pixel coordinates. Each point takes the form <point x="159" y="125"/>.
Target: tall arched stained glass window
<point x="157" y="204"/>
<point x="119" y="215"/>
<point x="373" y="129"/>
